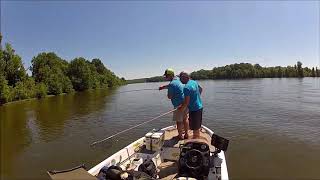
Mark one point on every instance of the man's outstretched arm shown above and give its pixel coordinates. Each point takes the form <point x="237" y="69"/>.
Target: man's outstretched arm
<point x="163" y="87"/>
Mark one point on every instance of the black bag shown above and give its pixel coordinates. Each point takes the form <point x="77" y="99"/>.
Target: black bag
<point x="111" y="173"/>
<point x="149" y="168"/>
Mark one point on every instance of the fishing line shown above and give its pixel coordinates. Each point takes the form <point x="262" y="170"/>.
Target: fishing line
<point x="137" y="90"/>
<point x="97" y="142"/>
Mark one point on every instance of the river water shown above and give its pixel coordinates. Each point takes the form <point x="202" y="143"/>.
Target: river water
<point x="273" y="126"/>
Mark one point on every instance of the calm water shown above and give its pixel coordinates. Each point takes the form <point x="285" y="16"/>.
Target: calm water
<point x="273" y="125"/>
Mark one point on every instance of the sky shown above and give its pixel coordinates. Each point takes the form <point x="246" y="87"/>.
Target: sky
<point x="138" y="39"/>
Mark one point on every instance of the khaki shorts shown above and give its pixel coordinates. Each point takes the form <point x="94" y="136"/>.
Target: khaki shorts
<point x="178" y="116"/>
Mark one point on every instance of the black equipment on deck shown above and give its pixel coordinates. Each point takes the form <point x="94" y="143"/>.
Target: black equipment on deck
<point x="149" y="168"/>
<point x="219" y="143"/>
<point x="110" y="173"/>
<point x="194" y="160"/>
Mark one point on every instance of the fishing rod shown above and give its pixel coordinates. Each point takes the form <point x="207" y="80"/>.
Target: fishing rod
<point x="163" y="114"/>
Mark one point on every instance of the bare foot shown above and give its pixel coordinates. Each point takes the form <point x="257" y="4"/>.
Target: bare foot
<point x="179" y="137"/>
<point x="196" y="137"/>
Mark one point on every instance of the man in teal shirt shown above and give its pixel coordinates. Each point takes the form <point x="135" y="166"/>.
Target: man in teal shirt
<point x="192" y="100"/>
<point x="175" y="93"/>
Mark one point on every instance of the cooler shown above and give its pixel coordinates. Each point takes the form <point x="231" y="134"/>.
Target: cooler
<point x="154" y="140"/>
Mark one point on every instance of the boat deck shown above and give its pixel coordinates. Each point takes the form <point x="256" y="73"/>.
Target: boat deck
<point x="171" y="140"/>
<point x="169" y="169"/>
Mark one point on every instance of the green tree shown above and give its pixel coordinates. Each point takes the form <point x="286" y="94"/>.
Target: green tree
<point x="20" y="91"/>
<point x="103" y="75"/>
<point x="51" y="70"/>
<point x="300" y="70"/>
<point x="2" y="62"/>
<point x="279" y="72"/>
<point x="100" y="68"/>
<point x="11" y="66"/>
<point x="45" y="64"/>
<point x="67" y="85"/>
<point x="313" y="73"/>
<point x="24" y="89"/>
<point x="307" y="72"/>
<point x="258" y="71"/>
<point x="54" y="83"/>
<point x="80" y="74"/>
<point x="5" y="91"/>
<point x="41" y="90"/>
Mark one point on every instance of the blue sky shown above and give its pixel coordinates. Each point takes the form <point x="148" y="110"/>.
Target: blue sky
<point x="139" y="39"/>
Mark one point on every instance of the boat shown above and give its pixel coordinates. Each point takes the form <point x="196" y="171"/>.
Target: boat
<point x="160" y="155"/>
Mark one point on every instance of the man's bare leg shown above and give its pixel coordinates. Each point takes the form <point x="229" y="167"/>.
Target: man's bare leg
<point x="180" y="130"/>
<point x="196" y="134"/>
<point x="186" y="126"/>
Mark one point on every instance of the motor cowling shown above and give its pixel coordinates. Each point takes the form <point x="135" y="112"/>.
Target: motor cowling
<point x="194" y="160"/>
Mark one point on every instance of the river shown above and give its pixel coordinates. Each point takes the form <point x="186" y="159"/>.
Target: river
<point x="273" y="126"/>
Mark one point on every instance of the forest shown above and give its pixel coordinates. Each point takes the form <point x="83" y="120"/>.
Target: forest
<point x="51" y="75"/>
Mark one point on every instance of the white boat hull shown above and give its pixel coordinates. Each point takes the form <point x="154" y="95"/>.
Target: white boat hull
<point x="125" y="157"/>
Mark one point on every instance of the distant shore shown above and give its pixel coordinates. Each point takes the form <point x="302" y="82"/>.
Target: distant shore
<point x="244" y="71"/>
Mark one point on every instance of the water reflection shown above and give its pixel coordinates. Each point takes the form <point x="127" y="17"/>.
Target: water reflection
<point x="15" y="135"/>
<point x="40" y="122"/>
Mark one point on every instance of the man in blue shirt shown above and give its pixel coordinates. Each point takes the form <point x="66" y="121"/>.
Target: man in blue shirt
<point x="192" y="100"/>
<point x="175" y="93"/>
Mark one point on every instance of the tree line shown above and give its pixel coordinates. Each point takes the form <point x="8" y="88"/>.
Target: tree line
<point x="51" y="75"/>
<point x="144" y="80"/>
<point x="247" y="70"/>
<point x="244" y="70"/>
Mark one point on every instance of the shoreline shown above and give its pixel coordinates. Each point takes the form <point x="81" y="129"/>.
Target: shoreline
<point x="51" y="95"/>
<point x="32" y="99"/>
